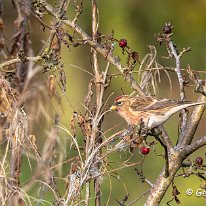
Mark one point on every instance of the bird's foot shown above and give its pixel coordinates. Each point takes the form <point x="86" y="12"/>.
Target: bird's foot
<point x="144" y="132"/>
<point x="155" y="132"/>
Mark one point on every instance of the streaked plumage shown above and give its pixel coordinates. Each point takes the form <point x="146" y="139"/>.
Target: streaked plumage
<point x="151" y="111"/>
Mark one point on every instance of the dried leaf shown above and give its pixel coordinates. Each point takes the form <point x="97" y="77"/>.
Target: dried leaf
<point x="88" y="98"/>
<point x="62" y="79"/>
<point x="51" y="83"/>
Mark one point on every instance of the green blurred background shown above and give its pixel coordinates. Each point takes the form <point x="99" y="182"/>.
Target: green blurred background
<point x="137" y="21"/>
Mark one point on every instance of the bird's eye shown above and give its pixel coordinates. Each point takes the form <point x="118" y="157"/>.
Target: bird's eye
<point x="119" y="103"/>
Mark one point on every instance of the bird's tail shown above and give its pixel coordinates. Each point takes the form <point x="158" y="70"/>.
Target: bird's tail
<point x="184" y="105"/>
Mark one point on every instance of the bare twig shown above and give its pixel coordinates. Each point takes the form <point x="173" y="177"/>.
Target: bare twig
<point x="166" y="173"/>
<point x="183" y="121"/>
<point x="138" y="198"/>
<point x="18" y="60"/>
<point x="193" y="123"/>
<point x="103" y="51"/>
<point x="99" y="89"/>
<point x="194" y="146"/>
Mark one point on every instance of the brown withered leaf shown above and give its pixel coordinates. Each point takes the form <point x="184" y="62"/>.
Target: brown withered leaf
<point x="32" y="139"/>
<point x="203" y="185"/>
<point x="72" y="123"/>
<point x="8" y="98"/>
<point x="5" y="104"/>
<point x="135" y="143"/>
<point x="90" y="93"/>
<point x="83" y="123"/>
<point x="175" y="191"/>
<point x="2" y="43"/>
<point x="51" y="84"/>
<point x="133" y="140"/>
<point x="56" y="45"/>
<point x="1" y="24"/>
<point x="62" y="79"/>
<point x="18" y="36"/>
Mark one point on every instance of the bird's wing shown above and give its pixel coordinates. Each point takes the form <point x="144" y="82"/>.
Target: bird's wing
<point x="161" y="105"/>
<point x="164" y="105"/>
<point x="140" y="103"/>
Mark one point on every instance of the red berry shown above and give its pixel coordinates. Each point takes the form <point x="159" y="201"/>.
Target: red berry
<point x="144" y="150"/>
<point x="199" y="160"/>
<point x="122" y="43"/>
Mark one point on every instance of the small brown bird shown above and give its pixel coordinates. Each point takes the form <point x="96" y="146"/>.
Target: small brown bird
<point x="148" y="110"/>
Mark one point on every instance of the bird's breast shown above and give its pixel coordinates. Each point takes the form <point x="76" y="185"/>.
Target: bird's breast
<point x="131" y="118"/>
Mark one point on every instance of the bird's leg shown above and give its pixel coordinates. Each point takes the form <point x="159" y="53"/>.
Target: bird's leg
<point x="154" y="131"/>
<point x="138" y="129"/>
<point x="133" y="138"/>
<point x="143" y="131"/>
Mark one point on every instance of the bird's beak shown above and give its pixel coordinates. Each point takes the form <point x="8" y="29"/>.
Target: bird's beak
<point x="113" y="107"/>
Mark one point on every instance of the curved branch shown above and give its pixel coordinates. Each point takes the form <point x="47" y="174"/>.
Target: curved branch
<point x="104" y="52"/>
<point x="194" y="146"/>
<point x="193" y="123"/>
<point x="18" y="60"/>
<point x="161" y="185"/>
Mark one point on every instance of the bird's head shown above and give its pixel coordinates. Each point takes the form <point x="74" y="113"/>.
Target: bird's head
<point x="121" y="103"/>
